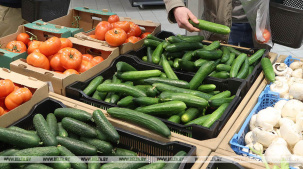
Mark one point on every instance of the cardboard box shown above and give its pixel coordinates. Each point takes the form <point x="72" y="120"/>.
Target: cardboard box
<point x="60" y="81"/>
<point x="201" y="151"/>
<point x="38" y="88"/>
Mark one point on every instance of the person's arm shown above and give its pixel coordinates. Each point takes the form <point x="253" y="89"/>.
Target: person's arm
<point x="178" y="13"/>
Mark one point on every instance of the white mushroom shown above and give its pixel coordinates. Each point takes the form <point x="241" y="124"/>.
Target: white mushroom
<point x="282" y="78"/>
<point x="297" y="73"/>
<point x="263" y="137"/>
<point x="279" y="141"/>
<point x="295" y="65"/>
<point x="285" y="96"/>
<point x="299" y="121"/>
<point x="292" y="80"/>
<point x="296" y="91"/>
<point x="257" y="146"/>
<point x="279" y="87"/>
<point x="252" y="122"/>
<point x="280" y="69"/>
<point x="291" y="109"/>
<point x="279" y="105"/>
<point x="298" y="148"/>
<point x="248" y="137"/>
<point x="283" y="121"/>
<point x="275" y="153"/>
<point x="268" y="118"/>
<point x="290" y="134"/>
<point x="289" y="71"/>
<point x="295" y="161"/>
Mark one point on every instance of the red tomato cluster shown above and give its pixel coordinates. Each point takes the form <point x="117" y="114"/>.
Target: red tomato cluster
<point x="55" y="54"/>
<point x="116" y="32"/>
<point x="12" y="95"/>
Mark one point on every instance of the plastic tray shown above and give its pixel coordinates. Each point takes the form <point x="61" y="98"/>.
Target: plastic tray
<point x="46" y="10"/>
<point x="235" y="86"/>
<point x="223" y="163"/>
<point x="141" y="145"/>
<point x="289" y="60"/>
<point x="164" y="34"/>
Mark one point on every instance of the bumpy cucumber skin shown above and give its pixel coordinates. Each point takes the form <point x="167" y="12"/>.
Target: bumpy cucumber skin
<point x="78" y="127"/>
<point x="73" y="113"/>
<point x="43" y="130"/>
<point x="211" y="27"/>
<point x="76" y="165"/>
<point x="78" y="147"/>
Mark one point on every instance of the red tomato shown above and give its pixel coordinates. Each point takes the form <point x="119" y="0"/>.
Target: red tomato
<point x="143" y="35"/>
<point x="17" y="97"/>
<point x="6" y="87"/>
<point x="266" y="36"/>
<point x="38" y="60"/>
<point x="87" y="57"/>
<point x="70" y="72"/>
<point x="33" y="46"/>
<point x="132" y="39"/>
<point x="113" y="18"/>
<point x="96" y="60"/>
<point x="55" y="62"/>
<point x="125" y="25"/>
<point x="50" y="46"/>
<point x="16" y="47"/>
<point x="2" y="104"/>
<point x="101" y="30"/>
<point x="85" y="65"/>
<point x="136" y="28"/>
<point x="115" y="37"/>
<point x="131" y="32"/>
<point x="66" y="43"/>
<point x="23" y="37"/>
<point x="71" y="58"/>
<point x="2" y="111"/>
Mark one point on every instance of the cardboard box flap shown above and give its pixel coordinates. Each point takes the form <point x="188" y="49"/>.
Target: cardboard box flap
<point x="51" y="28"/>
<point x="80" y="39"/>
<point x="140" y="22"/>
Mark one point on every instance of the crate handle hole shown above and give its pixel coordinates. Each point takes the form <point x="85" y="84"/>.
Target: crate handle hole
<point x="6" y="70"/>
<point x="104" y="10"/>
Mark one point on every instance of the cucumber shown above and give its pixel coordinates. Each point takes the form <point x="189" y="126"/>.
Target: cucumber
<point x="222" y="67"/>
<point x="256" y="56"/>
<point x="226" y="54"/>
<point x="121" y="88"/>
<point x="151" y="43"/>
<point x="164" y="87"/>
<point x="105" y="126"/>
<point x="189" y="115"/>
<point x="177" y="83"/>
<point x="137" y="75"/>
<point x="268" y="69"/>
<point x="8" y="152"/>
<point x="60" y="164"/>
<point x="189" y="99"/>
<point x="101" y="95"/>
<point x="52" y="123"/>
<point x="176" y="63"/>
<point x="37" y="166"/>
<point x="174" y="39"/>
<point x="167" y="69"/>
<point x="101" y="136"/>
<point x="92" y="86"/>
<point x="243" y="73"/>
<point x="120" y="165"/>
<point x="183" y="46"/>
<point x="157" y="53"/>
<point x="145" y="101"/>
<point x="14" y="128"/>
<point x="129" y="83"/>
<point x="213" y="46"/>
<point x="212" y="73"/>
<point x="80" y="148"/>
<point x="61" y="131"/>
<point x="208" y="54"/>
<point x="211" y="27"/>
<point x="221" y="75"/>
<point x="224" y="94"/>
<point x="108" y="97"/>
<point x="102" y="146"/>
<point x="233" y="50"/>
<point x="250" y="69"/>
<point x="123" y="152"/>
<point x="39" y="151"/>
<point x="94" y="163"/>
<point x="166" y="108"/>
<point x="73" y="135"/>
<point x="114" y="98"/>
<point x="177" y="160"/>
<point x="199" y="120"/>
<point x="188" y="56"/>
<point x="77" y="164"/>
<point x="173" y="54"/>
<point x="149" y="54"/>
<point x="174" y="119"/>
<point x="214" y="116"/>
<point x="78" y="127"/>
<point x="201" y="74"/>
<point x="187" y="65"/>
<point x="220" y="101"/>
<point x="237" y="64"/>
<point x="144" y="58"/>
<point x="73" y="113"/>
<point x="156" y="165"/>
<point x="200" y="62"/>
<point x="44" y="132"/>
<point x="207" y="88"/>
<point x="150" y="36"/>
<point x="163" y="75"/>
<point x="124" y="67"/>
<point x="165" y="43"/>
<point x="231" y="59"/>
<point x="126" y="101"/>
<point x="149" y="90"/>
<point x="214" y="92"/>
<point x="141" y="119"/>
<point x="194" y="38"/>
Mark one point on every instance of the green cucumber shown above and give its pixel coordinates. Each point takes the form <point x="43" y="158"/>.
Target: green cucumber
<point x="137" y="75"/>
<point x="224" y="94"/>
<point x="194" y="38"/>
<point x="256" y="56"/>
<point x="243" y="73"/>
<point x="213" y="46"/>
<point x="105" y="126"/>
<point x="268" y="69"/>
<point x="184" y="46"/>
<point x="177" y="83"/>
<point x="149" y="90"/>
<point x="78" y="127"/>
<point x="233" y="50"/>
<point x="92" y="86"/>
<point x="8" y="152"/>
<point x="208" y="54"/>
<point x="22" y="130"/>
<point x="39" y="151"/>
<point x="94" y="163"/>
<point x="174" y="119"/>
<point x="145" y="101"/>
<point x="124" y="67"/>
<point x="126" y="101"/>
<point x="102" y="146"/>
<point x="237" y="64"/>
<point x="157" y="53"/>
<point x="149" y="54"/>
<point x="207" y="88"/>
<point x="120" y="165"/>
<point x="173" y="54"/>
<point x="37" y="166"/>
<point x="163" y="75"/>
<point x="187" y="65"/>
<point x="231" y="59"/>
<point x="214" y="92"/>
<point x="43" y="130"/>
<point x="101" y="136"/>
<point x="141" y="119"/>
<point x="73" y="135"/>
<point x="80" y="148"/>
<point x="151" y="43"/>
<point x="222" y="67"/>
<point x="114" y="98"/>
<point x="166" y="108"/>
<point x="101" y="95"/>
<point x="73" y="113"/>
<point x="188" y="56"/>
<point x="179" y="158"/>
<point x="174" y="39"/>
<point x="199" y="120"/>
<point x="226" y="54"/>
<point x="150" y="36"/>
<point x="176" y="63"/>
<point x="165" y="43"/>
<point x="77" y="164"/>
<point x="211" y="27"/>
<point x="167" y="69"/>
<point x="124" y="152"/>
<point x="121" y="88"/>
<point x="189" y="115"/>
<point x="61" y="131"/>
<point x="220" y="101"/>
<point x="108" y="97"/>
<point x="250" y="69"/>
<point x="212" y="73"/>
<point x="200" y="62"/>
<point x="144" y="58"/>
<point x="221" y="75"/>
<point x="214" y="116"/>
<point x="156" y="165"/>
<point x="61" y="163"/>
<point x="201" y="74"/>
<point x="52" y="123"/>
<point x="189" y="99"/>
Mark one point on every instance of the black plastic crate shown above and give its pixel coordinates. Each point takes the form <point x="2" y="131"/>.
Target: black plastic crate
<point x="143" y="146"/>
<point x="165" y="34"/>
<point x="223" y="163"/>
<point x="236" y="87"/>
<point x="46" y="10"/>
<point x="286" y="22"/>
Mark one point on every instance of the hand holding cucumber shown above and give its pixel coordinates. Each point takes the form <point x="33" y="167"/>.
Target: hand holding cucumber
<point x="182" y="15"/>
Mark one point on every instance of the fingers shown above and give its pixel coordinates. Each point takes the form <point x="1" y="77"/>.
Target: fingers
<point x="182" y="15"/>
<point x="193" y="17"/>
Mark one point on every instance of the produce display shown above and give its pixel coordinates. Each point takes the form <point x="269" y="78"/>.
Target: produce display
<point x="12" y="95"/>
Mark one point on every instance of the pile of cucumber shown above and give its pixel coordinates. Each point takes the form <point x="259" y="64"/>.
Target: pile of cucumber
<point x="187" y="53"/>
<point x="75" y="135"/>
<point x="141" y="93"/>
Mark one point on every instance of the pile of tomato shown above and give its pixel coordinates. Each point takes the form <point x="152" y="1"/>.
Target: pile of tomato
<point x="116" y="32"/>
<point x="55" y="54"/>
<point x="12" y="95"/>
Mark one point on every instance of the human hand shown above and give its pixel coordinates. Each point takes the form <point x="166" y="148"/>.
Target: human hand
<point x="182" y="15"/>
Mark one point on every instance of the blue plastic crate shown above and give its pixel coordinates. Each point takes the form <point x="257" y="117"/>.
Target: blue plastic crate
<point x="289" y="60"/>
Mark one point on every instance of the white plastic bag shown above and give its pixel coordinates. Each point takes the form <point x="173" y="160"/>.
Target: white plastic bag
<point x="257" y="12"/>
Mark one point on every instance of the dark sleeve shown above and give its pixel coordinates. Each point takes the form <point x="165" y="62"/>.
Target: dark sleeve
<point x="170" y="5"/>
